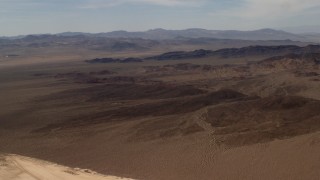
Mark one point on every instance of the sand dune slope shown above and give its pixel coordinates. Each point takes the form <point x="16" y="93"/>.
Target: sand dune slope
<point x="14" y="167"/>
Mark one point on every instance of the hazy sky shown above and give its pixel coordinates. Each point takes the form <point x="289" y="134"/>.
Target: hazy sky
<point x="52" y="16"/>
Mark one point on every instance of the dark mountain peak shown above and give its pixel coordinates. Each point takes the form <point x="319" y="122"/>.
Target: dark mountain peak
<point x="196" y="29"/>
<point x="40" y="36"/>
<point x="269" y="30"/>
<point x="157" y="30"/>
<point x="273" y="31"/>
<point x="72" y="34"/>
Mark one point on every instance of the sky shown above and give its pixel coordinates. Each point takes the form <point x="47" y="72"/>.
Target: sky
<point x="19" y="17"/>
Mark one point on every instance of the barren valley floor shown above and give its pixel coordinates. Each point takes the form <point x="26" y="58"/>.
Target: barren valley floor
<point x="201" y="118"/>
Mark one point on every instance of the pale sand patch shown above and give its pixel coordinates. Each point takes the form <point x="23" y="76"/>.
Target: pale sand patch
<point x="15" y="167"/>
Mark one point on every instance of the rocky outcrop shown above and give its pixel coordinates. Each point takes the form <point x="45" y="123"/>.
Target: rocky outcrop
<point x="114" y="60"/>
<point x="239" y="52"/>
<point x="182" y="55"/>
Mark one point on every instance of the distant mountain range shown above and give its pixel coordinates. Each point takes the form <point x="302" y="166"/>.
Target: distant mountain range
<point x="263" y="34"/>
<point x="306" y="29"/>
<point x="162" y="34"/>
<point x="156" y="40"/>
